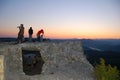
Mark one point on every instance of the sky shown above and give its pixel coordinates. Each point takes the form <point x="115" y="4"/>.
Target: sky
<point x="64" y="19"/>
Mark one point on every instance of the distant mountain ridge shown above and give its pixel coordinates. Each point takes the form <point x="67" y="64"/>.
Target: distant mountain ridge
<point x="7" y="39"/>
<point x="104" y="45"/>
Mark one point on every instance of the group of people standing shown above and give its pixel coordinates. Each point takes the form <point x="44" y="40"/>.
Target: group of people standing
<point x="20" y="38"/>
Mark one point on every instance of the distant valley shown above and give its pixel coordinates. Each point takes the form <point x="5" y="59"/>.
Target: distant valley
<point x="109" y="49"/>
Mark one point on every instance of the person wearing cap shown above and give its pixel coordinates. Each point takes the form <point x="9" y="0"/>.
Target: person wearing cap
<point x="40" y="34"/>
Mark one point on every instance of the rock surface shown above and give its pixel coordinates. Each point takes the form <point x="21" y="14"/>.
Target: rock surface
<point x="63" y="61"/>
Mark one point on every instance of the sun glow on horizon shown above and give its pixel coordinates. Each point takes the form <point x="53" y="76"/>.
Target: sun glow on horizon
<point x="67" y="35"/>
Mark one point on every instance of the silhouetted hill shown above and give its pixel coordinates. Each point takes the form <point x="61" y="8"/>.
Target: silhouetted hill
<point x="107" y="49"/>
<point x="8" y="39"/>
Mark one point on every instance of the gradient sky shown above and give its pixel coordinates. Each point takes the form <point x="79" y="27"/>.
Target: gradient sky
<point x="61" y="18"/>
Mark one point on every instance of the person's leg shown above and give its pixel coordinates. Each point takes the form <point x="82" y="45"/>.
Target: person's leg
<point x="38" y="38"/>
<point x="41" y="38"/>
<point x="20" y="38"/>
<point x="23" y="39"/>
<point x="30" y="37"/>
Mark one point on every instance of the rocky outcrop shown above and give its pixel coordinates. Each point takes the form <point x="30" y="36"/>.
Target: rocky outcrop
<point x="63" y="61"/>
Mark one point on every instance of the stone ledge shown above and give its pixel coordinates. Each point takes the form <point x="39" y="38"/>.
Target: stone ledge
<point x="63" y="61"/>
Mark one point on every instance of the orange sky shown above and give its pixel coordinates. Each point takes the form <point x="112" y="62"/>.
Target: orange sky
<point x="66" y="33"/>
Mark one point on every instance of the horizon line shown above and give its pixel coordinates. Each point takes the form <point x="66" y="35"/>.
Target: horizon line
<point x="68" y="38"/>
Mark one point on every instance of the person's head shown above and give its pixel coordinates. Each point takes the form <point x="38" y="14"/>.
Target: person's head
<point x="21" y="25"/>
<point x="30" y="27"/>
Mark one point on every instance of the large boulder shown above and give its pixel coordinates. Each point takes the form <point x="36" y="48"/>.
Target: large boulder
<point x="62" y="61"/>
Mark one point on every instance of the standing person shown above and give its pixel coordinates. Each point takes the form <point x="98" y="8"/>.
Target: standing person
<point x="40" y="34"/>
<point x="30" y="31"/>
<point x="21" y="33"/>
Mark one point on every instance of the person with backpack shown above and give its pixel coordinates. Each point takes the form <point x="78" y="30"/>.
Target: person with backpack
<point x="40" y="34"/>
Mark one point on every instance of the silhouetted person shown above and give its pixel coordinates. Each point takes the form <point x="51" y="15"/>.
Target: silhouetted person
<point x="40" y="34"/>
<point x="30" y="31"/>
<point x="21" y="33"/>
